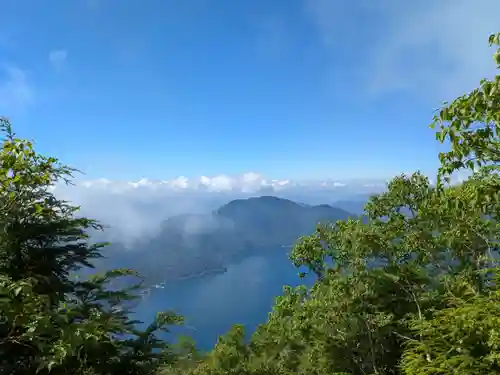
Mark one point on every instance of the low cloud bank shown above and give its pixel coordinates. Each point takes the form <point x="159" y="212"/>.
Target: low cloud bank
<point x="133" y="211"/>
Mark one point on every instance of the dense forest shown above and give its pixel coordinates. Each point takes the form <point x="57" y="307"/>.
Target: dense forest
<point x="411" y="290"/>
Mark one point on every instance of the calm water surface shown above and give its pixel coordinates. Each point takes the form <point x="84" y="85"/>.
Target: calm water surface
<point x="211" y="304"/>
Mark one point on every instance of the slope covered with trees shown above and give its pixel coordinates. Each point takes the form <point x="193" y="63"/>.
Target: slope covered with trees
<point x="190" y="245"/>
<point x="400" y="293"/>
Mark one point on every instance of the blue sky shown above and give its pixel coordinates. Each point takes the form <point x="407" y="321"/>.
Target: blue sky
<point x="126" y="89"/>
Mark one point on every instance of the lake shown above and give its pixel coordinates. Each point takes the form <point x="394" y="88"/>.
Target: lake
<point x="212" y="303"/>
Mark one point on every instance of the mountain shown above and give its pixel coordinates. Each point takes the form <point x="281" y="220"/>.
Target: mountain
<point x="355" y="204"/>
<point x="190" y="245"/>
<point x="270" y="222"/>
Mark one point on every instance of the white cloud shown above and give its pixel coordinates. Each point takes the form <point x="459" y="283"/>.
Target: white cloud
<point x="244" y="184"/>
<point x="180" y="182"/>
<point x="134" y="209"/>
<point x="435" y="49"/>
<point x="58" y="57"/>
<point x="217" y="183"/>
<point x="15" y="91"/>
<point x="247" y="182"/>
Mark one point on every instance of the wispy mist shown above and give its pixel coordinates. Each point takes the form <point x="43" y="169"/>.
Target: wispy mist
<point x="132" y="212"/>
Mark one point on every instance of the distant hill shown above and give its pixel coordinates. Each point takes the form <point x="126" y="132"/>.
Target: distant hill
<point x="269" y="221"/>
<point x="189" y="245"/>
<point x="354" y="206"/>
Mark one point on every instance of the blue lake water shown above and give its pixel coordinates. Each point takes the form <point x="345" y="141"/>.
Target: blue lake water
<point x="211" y="304"/>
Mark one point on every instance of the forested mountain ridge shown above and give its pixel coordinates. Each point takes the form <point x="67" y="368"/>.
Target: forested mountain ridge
<point x="189" y="245"/>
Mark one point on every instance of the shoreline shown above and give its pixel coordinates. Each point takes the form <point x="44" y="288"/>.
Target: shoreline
<point x="201" y="274"/>
<point x="214" y="271"/>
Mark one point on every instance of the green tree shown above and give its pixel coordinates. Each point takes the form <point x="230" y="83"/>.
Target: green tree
<point x="50" y="321"/>
<point x="463" y="337"/>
